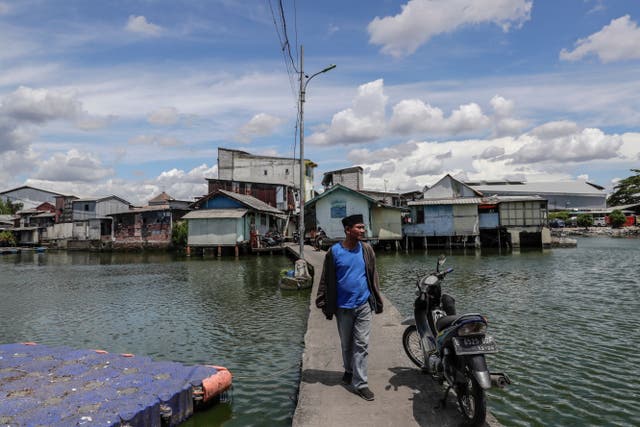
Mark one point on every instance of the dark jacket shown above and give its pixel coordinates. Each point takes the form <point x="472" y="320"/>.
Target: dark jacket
<point x="327" y="299"/>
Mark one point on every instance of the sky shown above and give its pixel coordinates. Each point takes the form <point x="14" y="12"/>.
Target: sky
<point x="134" y="97"/>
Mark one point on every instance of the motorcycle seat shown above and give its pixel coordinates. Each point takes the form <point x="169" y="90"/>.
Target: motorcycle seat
<point x="446" y="321"/>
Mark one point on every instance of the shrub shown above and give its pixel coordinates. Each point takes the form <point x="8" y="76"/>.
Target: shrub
<point x="584" y="220"/>
<point x="179" y="234"/>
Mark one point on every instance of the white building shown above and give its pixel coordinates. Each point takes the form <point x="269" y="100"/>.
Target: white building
<point x="236" y="165"/>
<point x="561" y="195"/>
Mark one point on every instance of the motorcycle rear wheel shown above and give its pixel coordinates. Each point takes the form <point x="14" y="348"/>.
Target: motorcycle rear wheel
<point x="411" y="344"/>
<point x="472" y="401"/>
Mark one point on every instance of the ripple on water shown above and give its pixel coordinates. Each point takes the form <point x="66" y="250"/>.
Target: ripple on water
<point x="562" y="322"/>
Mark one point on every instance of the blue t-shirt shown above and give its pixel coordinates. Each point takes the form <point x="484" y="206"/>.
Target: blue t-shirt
<point x="351" y="276"/>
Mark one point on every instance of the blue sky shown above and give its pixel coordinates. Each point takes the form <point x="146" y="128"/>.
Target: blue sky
<point x="134" y="97"/>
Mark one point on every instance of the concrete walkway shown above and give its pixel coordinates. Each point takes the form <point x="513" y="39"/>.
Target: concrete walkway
<point x="403" y="395"/>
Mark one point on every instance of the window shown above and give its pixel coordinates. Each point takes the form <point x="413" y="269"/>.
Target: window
<point x="420" y="215"/>
<point x="86" y="207"/>
<point x="265" y="172"/>
<point x="338" y="209"/>
<point x="286" y="171"/>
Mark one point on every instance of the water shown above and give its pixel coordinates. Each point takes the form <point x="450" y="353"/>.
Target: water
<point x="215" y="311"/>
<point x="566" y="321"/>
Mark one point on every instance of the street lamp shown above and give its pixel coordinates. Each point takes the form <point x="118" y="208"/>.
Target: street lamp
<point x="304" y="81"/>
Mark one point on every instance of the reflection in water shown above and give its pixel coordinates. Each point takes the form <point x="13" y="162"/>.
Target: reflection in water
<point x="563" y="321"/>
<point x="226" y="311"/>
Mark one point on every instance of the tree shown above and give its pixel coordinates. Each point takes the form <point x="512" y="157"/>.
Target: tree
<point x="8" y="208"/>
<point x="617" y="218"/>
<point x="563" y="215"/>
<point x="179" y="234"/>
<point x="584" y="220"/>
<point x="627" y="191"/>
<point x="7" y="238"/>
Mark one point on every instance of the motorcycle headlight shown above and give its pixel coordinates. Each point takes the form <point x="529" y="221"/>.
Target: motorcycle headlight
<point x="473" y="328"/>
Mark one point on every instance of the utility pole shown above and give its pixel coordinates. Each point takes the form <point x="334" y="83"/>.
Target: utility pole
<point x="304" y="81"/>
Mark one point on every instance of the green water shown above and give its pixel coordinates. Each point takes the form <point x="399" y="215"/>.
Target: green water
<point x="566" y="321"/>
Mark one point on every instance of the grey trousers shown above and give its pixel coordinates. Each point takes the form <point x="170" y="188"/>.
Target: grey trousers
<point x="354" y="327"/>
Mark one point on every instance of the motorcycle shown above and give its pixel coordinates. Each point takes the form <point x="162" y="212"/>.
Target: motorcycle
<point x="451" y="347"/>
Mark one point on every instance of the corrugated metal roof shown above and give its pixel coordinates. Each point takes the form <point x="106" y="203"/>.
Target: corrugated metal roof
<point x="542" y="187"/>
<point x="500" y="199"/>
<point x="456" y="201"/>
<point x="215" y="213"/>
<point x="252" y="202"/>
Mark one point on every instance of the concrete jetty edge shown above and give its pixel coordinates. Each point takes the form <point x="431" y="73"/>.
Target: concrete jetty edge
<point x="404" y="396"/>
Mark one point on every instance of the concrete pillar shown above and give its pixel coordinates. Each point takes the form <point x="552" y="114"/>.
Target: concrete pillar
<point x="237" y="251"/>
<point x="219" y="251"/>
<point x="188" y="250"/>
<point x="515" y="238"/>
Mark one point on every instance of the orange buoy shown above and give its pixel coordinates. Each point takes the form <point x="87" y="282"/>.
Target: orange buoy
<point x="216" y="383"/>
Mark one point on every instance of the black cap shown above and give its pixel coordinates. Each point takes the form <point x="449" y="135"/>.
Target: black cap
<point x="351" y="220"/>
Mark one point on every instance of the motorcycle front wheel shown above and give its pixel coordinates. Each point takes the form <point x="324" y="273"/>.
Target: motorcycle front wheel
<point x="472" y="401"/>
<point x="411" y="344"/>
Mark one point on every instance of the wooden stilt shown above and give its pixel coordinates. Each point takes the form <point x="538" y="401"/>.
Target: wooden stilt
<point x="219" y="251"/>
<point x="188" y="250"/>
<point x="237" y="251"/>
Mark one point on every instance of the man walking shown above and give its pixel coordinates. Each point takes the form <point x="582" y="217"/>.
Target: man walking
<point x="349" y="289"/>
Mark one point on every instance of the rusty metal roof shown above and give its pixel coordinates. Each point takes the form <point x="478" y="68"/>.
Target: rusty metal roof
<point x="454" y="201"/>
<point x="216" y="213"/>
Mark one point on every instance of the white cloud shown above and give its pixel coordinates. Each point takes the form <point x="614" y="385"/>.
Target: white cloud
<point x="364" y="122"/>
<point x="165" y="116"/>
<point x="413" y="116"/>
<point x="73" y="166"/>
<point x="156" y="140"/>
<point x="618" y="41"/>
<point x="420" y="20"/>
<point x="261" y="124"/>
<point x="590" y="144"/>
<point x="525" y="157"/>
<point x="556" y="129"/>
<point x="429" y="166"/>
<point x="4" y="8"/>
<point x="384" y="169"/>
<point x="491" y="152"/>
<point x="503" y="122"/>
<point x="139" y="24"/>
<point x="39" y="105"/>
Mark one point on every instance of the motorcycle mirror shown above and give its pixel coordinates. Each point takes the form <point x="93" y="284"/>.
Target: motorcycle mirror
<point x="441" y="260"/>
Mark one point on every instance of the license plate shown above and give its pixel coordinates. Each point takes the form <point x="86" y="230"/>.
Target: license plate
<point x="475" y="345"/>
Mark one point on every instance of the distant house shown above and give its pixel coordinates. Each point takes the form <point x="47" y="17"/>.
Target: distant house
<point x="150" y="225"/>
<point x="352" y="178"/>
<point x="224" y="218"/>
<point x="560" y="195"/>
<point x="452" y="213"/>
<point x="383" y="222"/>
<point x="514" y="221"/>
<point x="282" y="196"/>
<point x="64" y="208"/>
<point x="30" y="197"/>
<point x="30" y="226"/>
<point x="240" y="166"/>
<point x="447" y="214"/>
<point x="91" y="220"/>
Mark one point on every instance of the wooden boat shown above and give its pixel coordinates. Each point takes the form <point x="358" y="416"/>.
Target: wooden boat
<point x="295" y="283"/>
<point x="296" y="279"/>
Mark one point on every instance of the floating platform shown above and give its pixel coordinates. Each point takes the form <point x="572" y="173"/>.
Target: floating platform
<point x="60" y="386"/>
